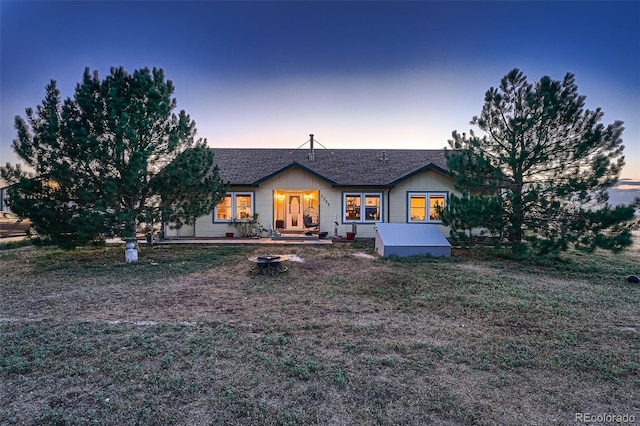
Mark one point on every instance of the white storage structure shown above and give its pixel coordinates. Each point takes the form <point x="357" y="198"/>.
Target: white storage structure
<point x="411" y="239"/>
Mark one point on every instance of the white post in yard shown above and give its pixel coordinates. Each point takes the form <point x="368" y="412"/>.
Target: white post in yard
<point x="130" y="252"/>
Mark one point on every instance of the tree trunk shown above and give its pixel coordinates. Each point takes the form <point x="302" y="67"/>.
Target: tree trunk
<point x="132" y="228"/>
<point x="517" y="221"/>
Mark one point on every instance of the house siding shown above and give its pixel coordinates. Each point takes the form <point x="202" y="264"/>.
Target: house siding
<point x="427" y="181"/>
<point x="4" y="197"/>
<point x="330" y="204"/>
<point x="363" y="229"/>
<point x="290" y="180"/>
<point x="298" y="180"/>
<point x="206" y="227"/>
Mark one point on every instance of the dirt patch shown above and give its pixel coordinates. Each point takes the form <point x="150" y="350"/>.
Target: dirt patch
<point x="364" y="255"/>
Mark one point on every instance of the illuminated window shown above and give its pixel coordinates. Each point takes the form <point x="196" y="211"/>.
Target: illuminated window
<point x="417" y="207"/>
<point x="435" y="201"/>
<point x="362" y="207"/>
<point x="223" y="209"/>
<point x="243" y="207"/>
<point x="423" y="207"/>
<point x="353" y="207"/>
<point x="236" y="205"/>
<point x="372" y="207"/>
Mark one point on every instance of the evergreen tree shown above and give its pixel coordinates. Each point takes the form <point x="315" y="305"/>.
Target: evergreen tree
<point x="110" y="157"/>
<point x="465" y="213"/>
<point x="548" y="160"/>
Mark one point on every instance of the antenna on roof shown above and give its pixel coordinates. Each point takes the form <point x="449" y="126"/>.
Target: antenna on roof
<point x="312" y="141"/>
<point x="312" y="153"/>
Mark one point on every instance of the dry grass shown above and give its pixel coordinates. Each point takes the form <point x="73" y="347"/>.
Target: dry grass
<point x="190" y="335"/>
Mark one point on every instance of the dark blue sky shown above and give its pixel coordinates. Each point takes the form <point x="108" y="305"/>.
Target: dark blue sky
<point x="357" y="74"/>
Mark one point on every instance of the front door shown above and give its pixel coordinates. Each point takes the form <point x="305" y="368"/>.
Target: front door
<point x="293" y="210"/>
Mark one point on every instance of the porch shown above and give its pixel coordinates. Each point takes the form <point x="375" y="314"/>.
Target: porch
<point x="243" y="241"/>
<point x="296" y="213"/>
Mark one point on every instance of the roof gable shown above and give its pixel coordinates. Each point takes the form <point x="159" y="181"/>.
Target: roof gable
<point x="338" y="167"/>
<point x="429" y="166"/>
<point x="300" y="166"/>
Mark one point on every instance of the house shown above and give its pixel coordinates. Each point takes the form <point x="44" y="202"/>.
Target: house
<point x="4" y="197"/>
<point x="343" y="186"/>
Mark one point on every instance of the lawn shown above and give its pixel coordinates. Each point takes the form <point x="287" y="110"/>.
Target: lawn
<point x="189" y="335"/>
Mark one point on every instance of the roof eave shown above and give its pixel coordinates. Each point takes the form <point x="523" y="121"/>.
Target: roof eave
<point x="242" y="185"/>
<point x="368" y="185"/>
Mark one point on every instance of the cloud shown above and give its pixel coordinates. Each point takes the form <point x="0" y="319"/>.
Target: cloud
<point x="629" y="182"/>
<point x="627" y="185"/>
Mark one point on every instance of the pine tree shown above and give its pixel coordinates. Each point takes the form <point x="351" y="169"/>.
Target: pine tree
<point x="110" y="157"/>
<point x="465" y="214"/>
<point x="549" y="161"/>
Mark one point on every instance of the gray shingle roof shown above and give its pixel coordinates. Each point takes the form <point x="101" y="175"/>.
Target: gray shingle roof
<point x="340" y="167"/>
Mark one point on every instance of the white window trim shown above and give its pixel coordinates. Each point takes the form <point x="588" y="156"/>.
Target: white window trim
<point x="233" y="207"/>
<point x="362" y="196"/>
<point x="427" y="196"/>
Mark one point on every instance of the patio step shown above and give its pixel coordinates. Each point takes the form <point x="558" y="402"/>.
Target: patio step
<point x="296" y="236"/>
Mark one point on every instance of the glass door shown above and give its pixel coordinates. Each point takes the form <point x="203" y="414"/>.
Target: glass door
<point x="294" y="210"/>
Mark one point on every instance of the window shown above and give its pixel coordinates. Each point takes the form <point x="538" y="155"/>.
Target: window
<point x="423" y="207"/>
<point x="435" y="201"/>
<point x="353" y="207"/>
<point x="223" y="210"/>
<point x="362" y="207"/>
<point x="236" y="205"/>
<point x="417" y="207"/>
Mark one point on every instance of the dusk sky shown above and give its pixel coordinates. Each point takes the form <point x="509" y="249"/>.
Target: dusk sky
<point x="356" y="74"/>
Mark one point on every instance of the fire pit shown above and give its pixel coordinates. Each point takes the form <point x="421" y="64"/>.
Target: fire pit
<point x="270" y="263"/>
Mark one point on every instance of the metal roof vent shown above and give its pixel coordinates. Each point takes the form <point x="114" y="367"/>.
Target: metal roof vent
<point x="384" y="156"/>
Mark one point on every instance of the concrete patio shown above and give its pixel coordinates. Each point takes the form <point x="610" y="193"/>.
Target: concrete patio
<point x="217" y="241"/>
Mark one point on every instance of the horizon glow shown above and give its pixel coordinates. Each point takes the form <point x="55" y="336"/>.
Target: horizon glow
<point x="378" y="75"/>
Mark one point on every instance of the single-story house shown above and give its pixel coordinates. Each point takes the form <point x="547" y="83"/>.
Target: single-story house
<point x="4" y="197"/>
<point x="343" y="186"/>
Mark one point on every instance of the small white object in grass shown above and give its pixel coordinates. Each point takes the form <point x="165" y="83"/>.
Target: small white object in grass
<point x="295" y="258"/>
<point x="145" y="323"/>
<point x="363" y="255"/>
